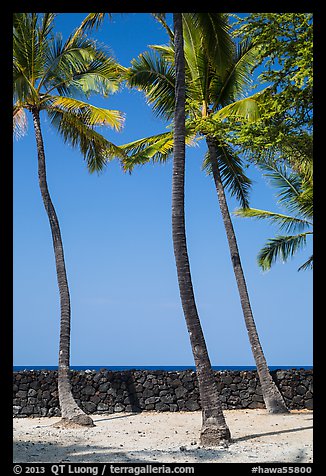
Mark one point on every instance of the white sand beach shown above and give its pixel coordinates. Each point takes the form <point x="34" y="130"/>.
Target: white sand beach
<point x="166" y="438"/>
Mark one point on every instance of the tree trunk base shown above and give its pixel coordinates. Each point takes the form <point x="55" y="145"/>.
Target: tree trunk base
<point x="213" y="436"/>
<point x="78" y="421"/>
<point x="276" y="407"/>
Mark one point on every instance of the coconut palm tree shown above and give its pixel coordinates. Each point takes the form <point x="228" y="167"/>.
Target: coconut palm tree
<point x="295" y="195"/>
<point x="211" y="91"/>
<point x="214" y="428"/>
<point x="51" y="76"/>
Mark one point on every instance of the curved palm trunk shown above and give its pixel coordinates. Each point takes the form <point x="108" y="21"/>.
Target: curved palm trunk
<point x="214" y="428"/>
<point x="69" y="408"/>
<point x="272" y="397"/>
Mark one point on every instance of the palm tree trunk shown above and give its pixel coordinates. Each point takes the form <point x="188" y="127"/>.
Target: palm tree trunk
<point x="272" y="397"/>
<point x="214" y="428"/>
<point x="68" y="406"/>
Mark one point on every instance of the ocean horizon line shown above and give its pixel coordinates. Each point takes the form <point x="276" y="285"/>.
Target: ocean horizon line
<point x="17" y="368"/>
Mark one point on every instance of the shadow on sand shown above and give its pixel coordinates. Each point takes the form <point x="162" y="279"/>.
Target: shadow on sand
<point x="45" y="452"/>
<point x="270" y="433"/>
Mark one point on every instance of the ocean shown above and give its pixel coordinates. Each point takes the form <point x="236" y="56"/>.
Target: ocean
<point x="17" y="368"/>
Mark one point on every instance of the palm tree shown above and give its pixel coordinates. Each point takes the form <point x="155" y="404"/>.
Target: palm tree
<point x="214" y="428"/>
<point x="296" y="195"/>
<point x="48" y="75"/>
<point x="211" y="90"/>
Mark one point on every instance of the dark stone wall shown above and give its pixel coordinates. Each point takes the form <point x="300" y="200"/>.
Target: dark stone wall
<point x="104" y="391"/>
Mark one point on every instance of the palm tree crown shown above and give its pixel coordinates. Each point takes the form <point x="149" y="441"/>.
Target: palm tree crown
<point x="213" y="84"/>
<point x="54" y="76"/>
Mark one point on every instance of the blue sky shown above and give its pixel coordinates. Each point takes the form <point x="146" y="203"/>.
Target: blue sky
<point x="116" y="231"/>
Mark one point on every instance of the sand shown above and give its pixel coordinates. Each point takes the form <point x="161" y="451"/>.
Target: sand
<point x="152" y="437"/>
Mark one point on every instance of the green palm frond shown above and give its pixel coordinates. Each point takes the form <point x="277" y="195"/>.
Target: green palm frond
<point x="157" y="148"/>
<point x="63" y="60"/>
<point x="81" y="67"/>
<point x="103" y="76"/>
<point x="92" y="20"/>
<point x="161" y="18"/>
<point x="154" y="76"/>
<point x="23" y="90"/>
<point x="285" y="222"/>
<point x="29" y="50"/>
<point x="46" y="25"/>
<point x="232" y="175"/>
<point x="302" y="157"/>
<point x="280" y="247"/>
<point x="92" y="115"/>
<point x="75" y="130"/>
<point x="306" y="201"/>
<point x="216" y="39"/>
<point x="30" y="42"/>
<point x="29" y="45"/>
<point x="307" y="264"/>
<point x="286" y="181"/>
<point x="244" y="109"/>
<point x="165" y="51"/>
<point x="197" y="69"/>
<point x="238" y="76"/>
